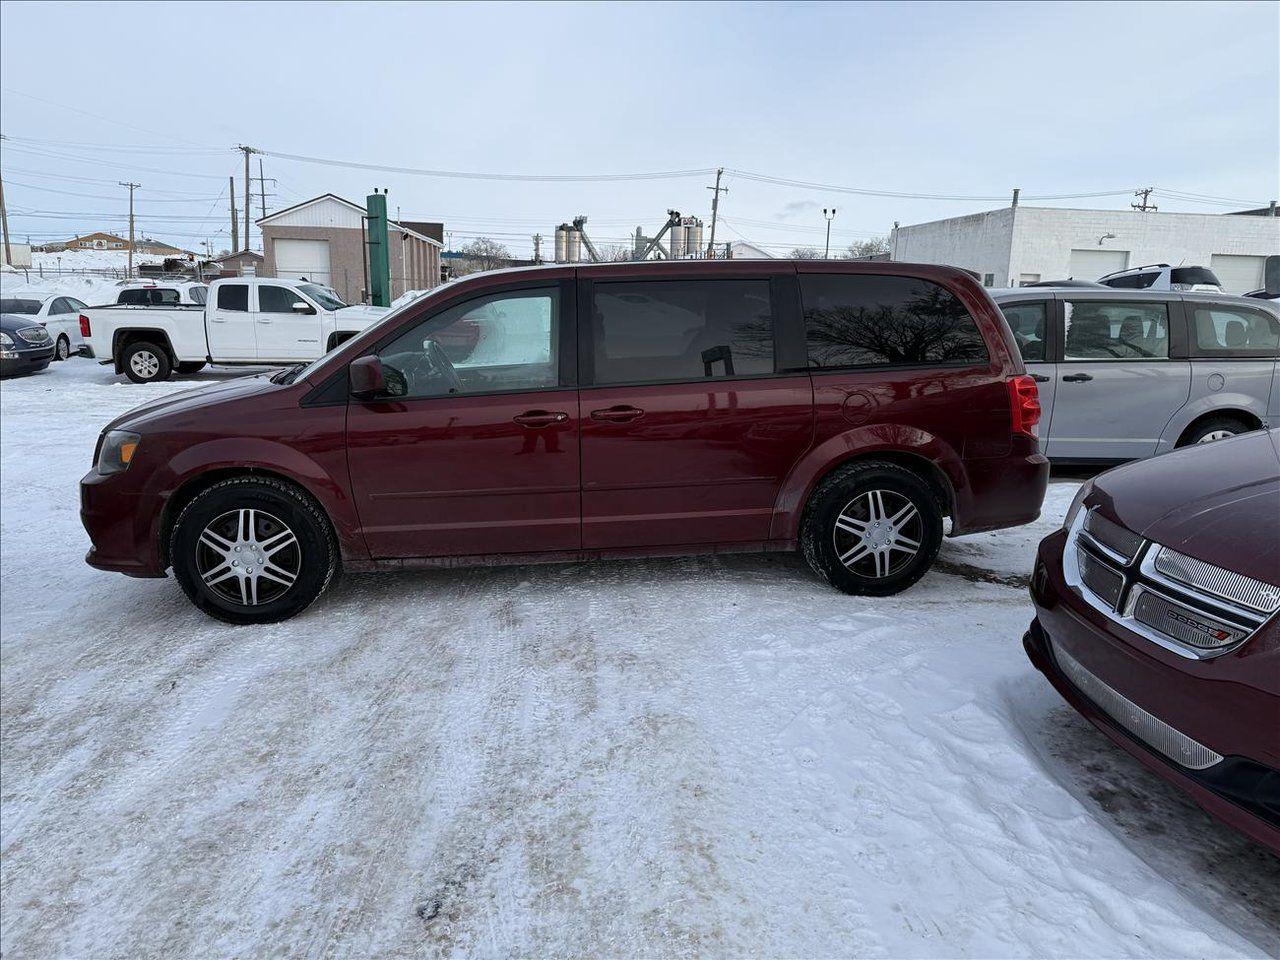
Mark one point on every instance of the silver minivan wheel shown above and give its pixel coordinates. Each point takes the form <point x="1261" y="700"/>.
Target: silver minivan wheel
<point x="1216" y="435"/>
<point x="878" y="533"/>
<point x="248" y="557"/>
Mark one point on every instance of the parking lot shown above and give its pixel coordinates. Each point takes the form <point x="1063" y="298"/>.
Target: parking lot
<point x="715" y="756"/>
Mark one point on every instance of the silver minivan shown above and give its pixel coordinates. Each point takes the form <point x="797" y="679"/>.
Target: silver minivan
<point x="1125" y="374"/>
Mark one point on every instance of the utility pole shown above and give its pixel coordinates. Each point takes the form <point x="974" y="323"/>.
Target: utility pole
<point x="715" y="209"/>
<point x="830" y="215"/>
<point x="247" y="152"/>
<point x="262" y="188"/>
<point x="537" y="248"/>
<point x="4" y="222"/>
<point x="1144" y="206"/>
<point x="235" y="222"/>
<point x="132" y="187"/>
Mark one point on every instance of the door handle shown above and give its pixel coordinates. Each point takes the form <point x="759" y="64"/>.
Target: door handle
<point x="1040" y="378"/>
<point x="540" y="418"/>
<point x="264" y="319"/>
<point x="1077" y="378"/>
<point x="619" y="414"/>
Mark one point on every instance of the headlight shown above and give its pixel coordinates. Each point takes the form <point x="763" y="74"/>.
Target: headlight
<point x="116" y="452"/>
<point x="1085" y="489"/>
<point x="6" y="340"/>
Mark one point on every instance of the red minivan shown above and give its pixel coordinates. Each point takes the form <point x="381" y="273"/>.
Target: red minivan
<point x="581" y="412"/>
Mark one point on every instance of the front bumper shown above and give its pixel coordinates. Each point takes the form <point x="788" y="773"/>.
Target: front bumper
<point x="1228" y="707"/>
<point x="119" y="523"/>
<point x="26" y="361"/>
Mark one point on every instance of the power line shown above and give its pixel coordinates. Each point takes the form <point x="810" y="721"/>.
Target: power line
<point x="519" y="177"/>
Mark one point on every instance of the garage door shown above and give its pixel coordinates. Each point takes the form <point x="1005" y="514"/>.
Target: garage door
<point x="303" y="259"/>
<point x="1092" y="264"/>
<point x="1237" y="274"/>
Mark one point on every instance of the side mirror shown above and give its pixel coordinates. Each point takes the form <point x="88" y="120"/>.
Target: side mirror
<point x="1271" y="275"/>
<point x="366" y="378"/>
<point x="301" y="307"/>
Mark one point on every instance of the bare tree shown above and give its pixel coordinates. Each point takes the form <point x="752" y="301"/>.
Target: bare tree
<point x="866" y="248"/>
<point x="481" y="254"/>
<point x="615" y="253"/>
<point x="805" y="253"/>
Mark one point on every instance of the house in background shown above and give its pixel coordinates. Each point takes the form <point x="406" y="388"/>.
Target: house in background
<point x="242" y="263"/>
<point x="323" y="240"/>
<point x="109" y="241"/>
<point x="1018" y="245"/>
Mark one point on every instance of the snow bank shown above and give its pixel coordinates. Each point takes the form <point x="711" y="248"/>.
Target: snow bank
<point x="711" y="757"/>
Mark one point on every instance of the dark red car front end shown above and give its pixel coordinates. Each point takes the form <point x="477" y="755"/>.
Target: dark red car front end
<point x="1157" y="619"/>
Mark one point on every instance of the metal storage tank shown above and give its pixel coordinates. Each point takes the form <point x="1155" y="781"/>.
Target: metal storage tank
<point x="677" y="245"/>
<point x="575" y="245"/>
<point x="695" y="239"/>
<point x="562" y="243"/>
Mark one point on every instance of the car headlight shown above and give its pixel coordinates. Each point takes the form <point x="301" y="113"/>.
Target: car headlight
<point x="1085" y="489"/>
<point x="116" y="452"/>
<point x="6" y="340"/>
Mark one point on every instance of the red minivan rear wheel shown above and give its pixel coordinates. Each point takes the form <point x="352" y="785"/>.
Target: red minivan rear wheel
<point x="872" y="527"/>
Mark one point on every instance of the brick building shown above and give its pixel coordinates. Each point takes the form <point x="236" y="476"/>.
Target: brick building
<point x="323" y="240"/>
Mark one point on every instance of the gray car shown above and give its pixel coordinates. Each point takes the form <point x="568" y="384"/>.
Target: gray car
<point x="1125" y="374"/>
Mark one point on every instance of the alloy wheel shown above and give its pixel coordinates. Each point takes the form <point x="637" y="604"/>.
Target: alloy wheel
<point x="249" y="557"/>
<point x="1216" y="435"/>
<point x="878" y="533"/>
<point x="64" y="348"/>
<point x="145" y="364"/>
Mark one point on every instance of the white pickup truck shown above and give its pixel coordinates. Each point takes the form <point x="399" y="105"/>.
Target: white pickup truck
<point x="247" y="321"/>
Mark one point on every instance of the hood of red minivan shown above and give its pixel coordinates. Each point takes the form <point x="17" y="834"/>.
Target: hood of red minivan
<point x="200" y="398"/>
<point x="1218" y="502"/>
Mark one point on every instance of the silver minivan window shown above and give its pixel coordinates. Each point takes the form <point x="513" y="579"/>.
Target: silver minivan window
<point x="1100" y="330"/>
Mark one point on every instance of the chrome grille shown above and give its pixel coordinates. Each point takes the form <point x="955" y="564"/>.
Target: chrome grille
<point x="1187" y="606"/>
<point x="1146" y="726"/>
<point x="1263" y="597"/>
<point x="1181" y="622"/>
<point x="1111" y="535"/>
<point x="1100" y="578"/>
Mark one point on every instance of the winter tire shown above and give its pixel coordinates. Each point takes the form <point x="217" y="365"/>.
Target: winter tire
<point x="253" y="550"/>
<point x="1215" y="428"/>
<point x="62" y="349"/>
<point x="872" y="528"/>
<point x="146" y="363"/>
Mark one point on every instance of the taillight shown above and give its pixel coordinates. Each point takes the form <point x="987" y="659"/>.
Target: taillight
<point x="1024" y="404"/>
<point x="84" y="326"/>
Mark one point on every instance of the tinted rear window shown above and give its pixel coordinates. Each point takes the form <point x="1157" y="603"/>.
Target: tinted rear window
<point x="663" y="330"/>
<point x="1193" y="275"/>
<point x="1029" y="323"/>
<point x="874" y="321"/>
<point x="20" y="306"/>
<point x="233" y="296"/>
<point x="139" y="297"/>
<point x="1134" y="281"/>
<point x="1228" y="331"/>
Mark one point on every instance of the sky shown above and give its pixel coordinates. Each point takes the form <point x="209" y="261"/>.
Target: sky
<point x="953" y="100"/>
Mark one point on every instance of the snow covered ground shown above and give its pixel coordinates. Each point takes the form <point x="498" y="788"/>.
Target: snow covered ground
<point x="715" y="756"/>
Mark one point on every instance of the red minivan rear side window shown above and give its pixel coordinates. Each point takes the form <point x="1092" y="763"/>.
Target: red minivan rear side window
<point x="885" y="321"/>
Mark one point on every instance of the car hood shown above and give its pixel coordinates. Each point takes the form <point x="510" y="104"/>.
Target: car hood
<point x="361" y="313"/>
<point x="1218" y="502"/>
<point x="139" y="418"/>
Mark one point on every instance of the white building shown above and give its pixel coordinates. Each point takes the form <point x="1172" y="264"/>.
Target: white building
<point x="1019" y="245"/>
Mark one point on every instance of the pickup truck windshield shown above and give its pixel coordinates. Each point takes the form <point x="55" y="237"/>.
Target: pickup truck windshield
<point x="322" y="295"/>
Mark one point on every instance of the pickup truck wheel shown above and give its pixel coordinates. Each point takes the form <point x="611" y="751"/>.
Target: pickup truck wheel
<point x="252" y="550"/>
<point x="872" y="528"/>
<point x="191" y="366"/>
<point x="146" y="363"/>
<point x="62" y="349"/>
